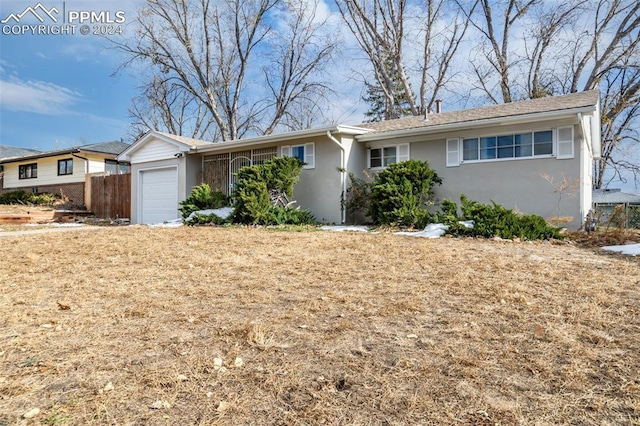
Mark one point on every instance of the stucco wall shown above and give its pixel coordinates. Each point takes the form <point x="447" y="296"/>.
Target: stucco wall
<point x="193" y="172"/>
<point x="514" y="183"/>
<point x="319" y="188"/>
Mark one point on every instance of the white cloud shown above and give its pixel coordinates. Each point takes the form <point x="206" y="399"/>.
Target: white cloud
<point x="35" y="96"/>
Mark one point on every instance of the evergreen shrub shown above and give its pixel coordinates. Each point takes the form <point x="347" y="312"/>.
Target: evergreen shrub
<point x="252" y="194"/>
<point x="493" y="221"/>
<point x="204" y="219"/>
<point x="401" y="193"/>
<point x="202" y="197"/>
<point x="22" y="197"/>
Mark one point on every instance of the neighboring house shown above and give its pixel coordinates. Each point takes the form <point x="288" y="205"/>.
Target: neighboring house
<point x="62" y="172"/>
<point x="12" y="151"/>
<point x="605" y="201"/>
<point x="514" y="154"/>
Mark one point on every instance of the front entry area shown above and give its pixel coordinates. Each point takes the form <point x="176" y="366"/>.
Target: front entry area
<point x="219" y="170"/>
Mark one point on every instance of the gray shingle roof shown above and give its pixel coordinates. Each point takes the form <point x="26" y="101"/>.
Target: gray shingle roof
<point x="614" y="196"/>
<point x="14" y="151"/>
<point x="541" y="105"/>
<point x="112" y="147"/>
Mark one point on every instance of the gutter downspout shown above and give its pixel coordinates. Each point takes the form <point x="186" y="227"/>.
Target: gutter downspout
<point x="343" y="177"/>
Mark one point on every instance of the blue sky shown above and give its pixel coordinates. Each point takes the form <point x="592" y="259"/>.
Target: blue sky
<point x="57" y="90"/>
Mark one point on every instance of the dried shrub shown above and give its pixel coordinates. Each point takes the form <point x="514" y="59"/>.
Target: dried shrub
<point x="358" y="197"/>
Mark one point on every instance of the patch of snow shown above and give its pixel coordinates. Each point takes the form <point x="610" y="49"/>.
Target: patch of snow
<point x="222" y="213"/>
<point x="344" y="228"/>
<point x="66" y="225"/>
<point x="175" y="223"/>
<point x="630" y="249"/>
<point x="467" y="223"/>
<point x="433" y="230"/>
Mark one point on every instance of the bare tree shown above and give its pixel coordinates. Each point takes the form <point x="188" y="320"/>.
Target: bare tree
<point x="380" y="28"/>
<point x="292" y="65"/>
<point x="205" y="54"/>
<point x="569" y="47"/>
<point x="496" y="34"/>
<point x="163" y="105"/>
<point x="439" y="48"/>
<point x="543" y="44"/>
<point x="620" y="93"/>
<point x="609" y="58"/>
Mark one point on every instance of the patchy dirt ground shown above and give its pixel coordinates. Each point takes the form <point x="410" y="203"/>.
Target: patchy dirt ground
<point x="148" y="326"/>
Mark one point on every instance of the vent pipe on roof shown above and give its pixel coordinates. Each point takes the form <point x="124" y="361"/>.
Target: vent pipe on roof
<point x="438" y="106"/>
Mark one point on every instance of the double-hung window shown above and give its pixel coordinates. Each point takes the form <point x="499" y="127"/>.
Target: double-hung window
<point x="65" y="167"/>
<point x="306" y="153"/>
<point x="28" y="171"/>
<point x="384" y="156"/>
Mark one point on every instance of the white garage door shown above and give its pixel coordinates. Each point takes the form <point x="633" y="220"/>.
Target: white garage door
<point x="159" y="196"/>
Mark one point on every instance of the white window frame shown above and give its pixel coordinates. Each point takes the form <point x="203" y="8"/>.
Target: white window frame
<point x="453" y="152"/>
<point x="554" y="144"/>
<point x="309" y="153"/>
<point x="403" y="153"/>
<point x="564" y="147"/>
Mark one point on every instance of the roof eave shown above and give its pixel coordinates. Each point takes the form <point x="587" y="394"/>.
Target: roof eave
<point x="464" y="125"/>
<point x="281" y="137"/>
<point x="88" y="151"/>
<point x="37" y="156"/>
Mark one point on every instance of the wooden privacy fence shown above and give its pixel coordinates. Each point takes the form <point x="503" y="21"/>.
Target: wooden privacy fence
<point x="111" y="196"/>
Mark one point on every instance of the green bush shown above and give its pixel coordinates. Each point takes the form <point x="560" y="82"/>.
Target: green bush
<point x="202" y="197"/>
<point x="253" y="192"/>
<point x="401" y="193"/>
<point x="291" y="216"/>
<point x="22" y="197"/>
<point x="493" y="221"/>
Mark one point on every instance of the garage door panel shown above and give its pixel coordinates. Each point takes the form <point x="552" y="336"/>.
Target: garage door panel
<point x="159" y="196"/>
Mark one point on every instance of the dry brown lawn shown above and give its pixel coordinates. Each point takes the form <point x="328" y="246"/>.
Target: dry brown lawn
<point x="208" y="326"/>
